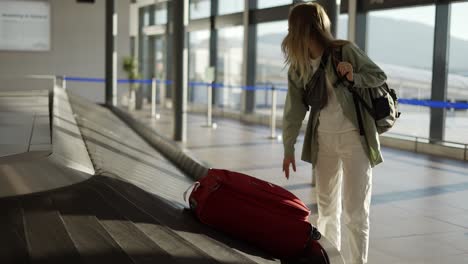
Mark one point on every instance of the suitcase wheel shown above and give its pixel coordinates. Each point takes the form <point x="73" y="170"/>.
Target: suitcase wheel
<point x="315" y="235"/>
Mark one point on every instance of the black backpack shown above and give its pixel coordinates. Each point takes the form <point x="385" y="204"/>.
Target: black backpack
<point x="384" y="108"/>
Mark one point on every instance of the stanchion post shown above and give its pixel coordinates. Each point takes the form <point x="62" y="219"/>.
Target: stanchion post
<point x="153" y="97"/>
<point x="210" y="81"/>
<point x="452" y="109"/>
<point x="273" y="112"/>
<point x="162" y="94"/>
<point x="209" y="112"/>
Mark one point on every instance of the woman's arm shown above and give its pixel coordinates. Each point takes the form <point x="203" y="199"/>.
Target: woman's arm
<point x="294" y="113"/>
<point x="366" y="73"/>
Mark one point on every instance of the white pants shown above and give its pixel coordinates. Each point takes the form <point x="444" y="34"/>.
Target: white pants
<point x="343" y="169"/>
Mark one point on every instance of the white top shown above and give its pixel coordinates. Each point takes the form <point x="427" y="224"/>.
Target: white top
<point x="331" y="118"/>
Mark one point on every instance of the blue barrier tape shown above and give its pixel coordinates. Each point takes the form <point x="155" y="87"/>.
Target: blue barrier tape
<point x="433" y="104"/>
<point x="134" y="81"/>
<point x="199" y="84"/>
<point x="78" y="79"/>
<point x="268" y="87"/>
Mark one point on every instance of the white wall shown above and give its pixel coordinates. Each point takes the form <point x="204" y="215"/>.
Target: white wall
<point x="77" y="47"/>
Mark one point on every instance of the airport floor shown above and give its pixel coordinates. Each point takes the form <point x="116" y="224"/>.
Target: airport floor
<point x="419" y="211"/>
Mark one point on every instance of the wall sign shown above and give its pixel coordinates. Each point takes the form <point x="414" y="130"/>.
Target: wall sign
<point x="25" y="25"/>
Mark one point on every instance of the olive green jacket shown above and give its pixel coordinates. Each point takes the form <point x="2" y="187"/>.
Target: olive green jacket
<point x="366" y="75"/>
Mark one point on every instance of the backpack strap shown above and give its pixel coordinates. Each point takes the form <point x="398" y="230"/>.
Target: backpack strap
<point x="358" y="113"/>
<point x="337" y="57"/>
<point x="361" y="100"/>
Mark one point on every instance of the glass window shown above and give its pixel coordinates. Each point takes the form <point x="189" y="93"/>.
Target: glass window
<point x="200" y="9"/>
<point x="271" y="3"/>
<point x="160" y="57"/>
<point x="146" y="16"/>
<point x="342" y="27"/>
<point x="199" y="60"/>
<point x="159" y="65"/>
<point x="230" y="6"/>
<point x="401" y="42"/>
<point x="456" y="124"/>
<point x="229" y="66"/>
<point x="270" y="63"/>
<point x="147" y="66"/>
<point x="160" y="14"/>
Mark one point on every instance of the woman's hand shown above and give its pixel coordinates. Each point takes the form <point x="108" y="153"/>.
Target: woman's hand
<point x="286" y="162"/>
<point x="346" y="69"/>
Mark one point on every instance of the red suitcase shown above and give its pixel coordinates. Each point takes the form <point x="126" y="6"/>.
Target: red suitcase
<point x="262" y="213"/>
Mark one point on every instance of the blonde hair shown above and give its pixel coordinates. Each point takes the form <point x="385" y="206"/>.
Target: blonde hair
<point x="306" y="21"/>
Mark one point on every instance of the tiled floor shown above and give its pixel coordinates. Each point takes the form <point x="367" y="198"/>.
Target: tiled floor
<point x="419" y="210"/>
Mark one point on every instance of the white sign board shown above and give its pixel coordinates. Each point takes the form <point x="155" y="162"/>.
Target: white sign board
<point x="25" y="25"/>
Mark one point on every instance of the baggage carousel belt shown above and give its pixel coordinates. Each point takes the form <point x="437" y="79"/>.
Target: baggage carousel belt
<point x="107" y="220"/>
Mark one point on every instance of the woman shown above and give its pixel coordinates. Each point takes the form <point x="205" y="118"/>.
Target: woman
<point x="341" y="157"/>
